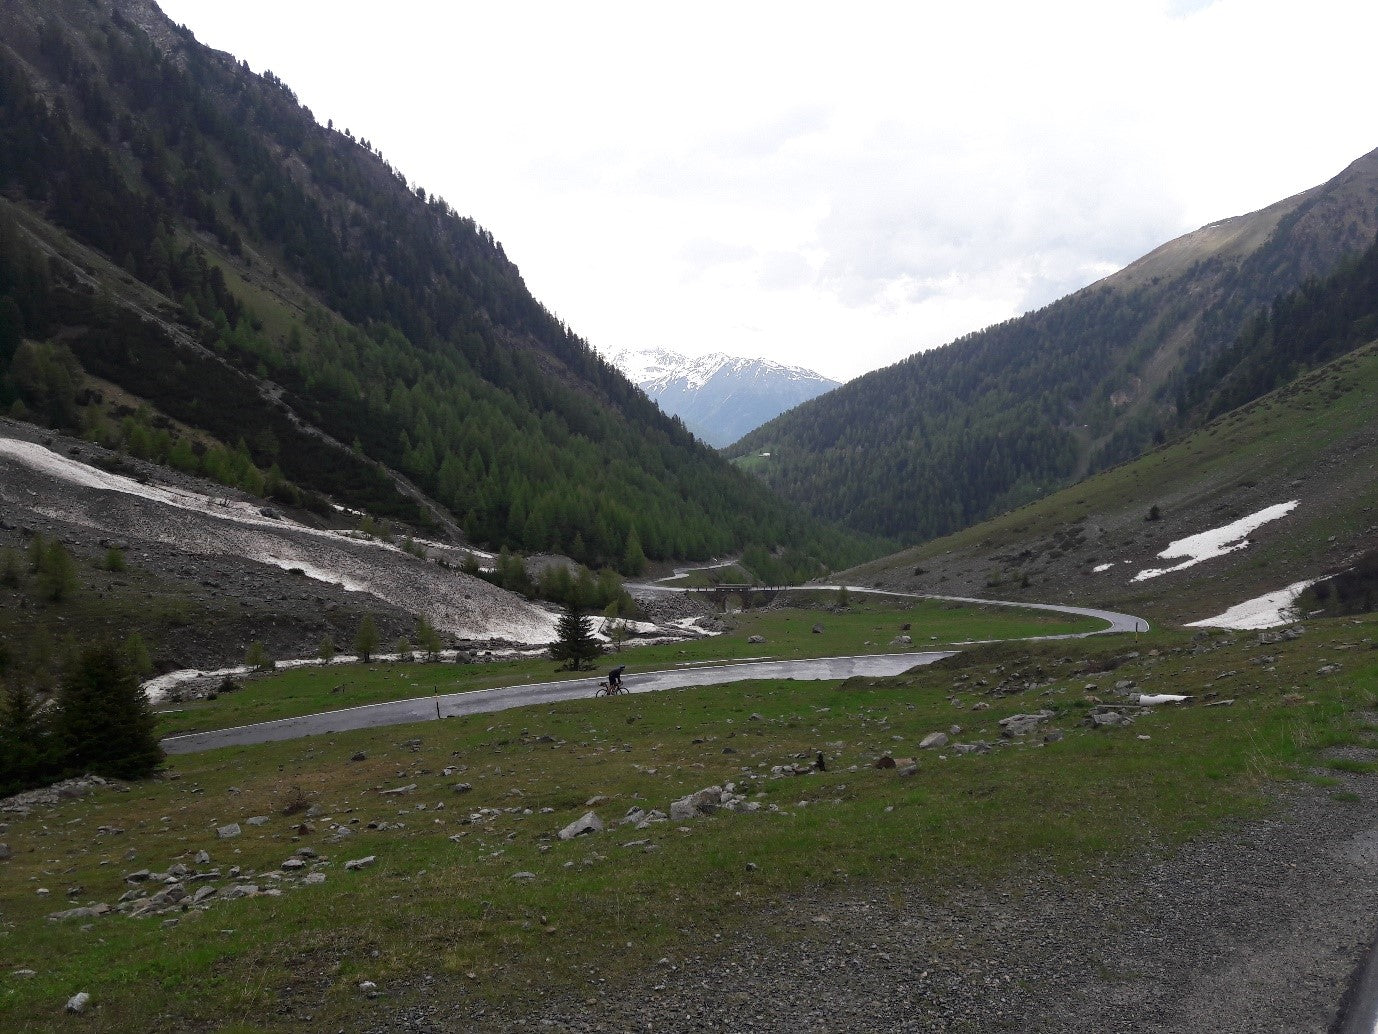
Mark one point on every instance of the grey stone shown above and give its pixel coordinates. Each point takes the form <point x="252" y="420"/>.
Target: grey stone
<point x="138" y="877"/>
<point x="293" y="864"/>
<point x="314" y="878"/>
<point x="4" y="852"/>
<point x="78" y="1002"/>
<point x="933" y="740"/>
<point x="398" y="790"/>
<point x="523" y="875"/>
<point x="226" y="832"/>
<point x="756" y="639"/>
<point x="202" y="858"/>
<point x="84" y="912"/>
<point x="360" y="863"/>
<point x="1022" y="724"/>
<point x="589" y="822"/>
<point x="463" y="787"/>
<point x="202" y="893"/>
<point x="258" y="820"/>
<point x="901" y="640"/>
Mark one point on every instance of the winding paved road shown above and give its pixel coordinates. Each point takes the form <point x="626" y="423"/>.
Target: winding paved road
<point x="450" y="705"/>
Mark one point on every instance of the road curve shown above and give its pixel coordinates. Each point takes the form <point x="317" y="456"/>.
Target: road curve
<point x="450" y="705"/>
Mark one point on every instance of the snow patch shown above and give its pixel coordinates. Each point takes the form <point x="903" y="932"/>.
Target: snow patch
<point x="1208" y="545"/>
<point x="1102" y="567"/>
<point x="1267" y="611"/>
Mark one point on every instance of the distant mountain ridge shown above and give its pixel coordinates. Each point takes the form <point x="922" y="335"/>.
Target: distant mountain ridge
<point x="1010" y="413"/>
<point x="720" y="397"/>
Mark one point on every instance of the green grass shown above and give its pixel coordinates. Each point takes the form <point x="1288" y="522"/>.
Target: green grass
<point x="596" y="909"/>
<point x="1322" y="422"/>
<point x="868" y="626"/>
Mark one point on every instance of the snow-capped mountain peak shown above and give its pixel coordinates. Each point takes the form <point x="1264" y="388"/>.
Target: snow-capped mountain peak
<point x="720" y="397"/>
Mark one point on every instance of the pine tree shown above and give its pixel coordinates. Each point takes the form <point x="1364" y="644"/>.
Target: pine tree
<point x="26" y="756"/>
<point x="104" y="724"/>
<point x="428" y="638"/>
<point x="575" y="645"/>
<point x="366" y="639"/>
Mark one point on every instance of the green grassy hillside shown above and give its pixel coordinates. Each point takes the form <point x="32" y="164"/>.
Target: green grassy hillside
<point x="1314" y="441"/>
<point x="473" y="902"/>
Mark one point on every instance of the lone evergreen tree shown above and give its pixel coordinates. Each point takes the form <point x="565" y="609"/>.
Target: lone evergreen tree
<point x="575" y="645"/>
<point x="366" y="639"/>
<point x="428" y="637"/>
<point x="103" y="720"/>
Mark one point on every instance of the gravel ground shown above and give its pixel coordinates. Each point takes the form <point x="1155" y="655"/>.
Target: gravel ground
<point x="1255" y="929"/>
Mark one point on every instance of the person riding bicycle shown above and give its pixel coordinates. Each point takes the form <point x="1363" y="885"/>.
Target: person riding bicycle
<point x="615" y="678"/>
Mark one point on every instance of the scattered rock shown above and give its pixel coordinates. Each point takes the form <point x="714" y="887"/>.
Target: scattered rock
<point x="409" y="788"/>
<point x="817" y="630"/>
<point x="226" y="832"/>
<point x="756" y="639"/>
<point x="901" y="640"/>
<point x="1022" y="724"/>
<point x="360" y="863"/>
<point x="589" y="822"/>
<point x="258" y="820"/>
<point x="523" y="875"/>
<point x="78" y="1002"/>
<point x="933" y="740"/>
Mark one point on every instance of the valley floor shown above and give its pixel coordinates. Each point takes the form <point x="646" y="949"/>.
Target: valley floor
<point x="1257" y="929"/>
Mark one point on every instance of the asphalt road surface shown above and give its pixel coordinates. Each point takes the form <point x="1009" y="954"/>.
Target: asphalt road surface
<point x="450" y="705"/>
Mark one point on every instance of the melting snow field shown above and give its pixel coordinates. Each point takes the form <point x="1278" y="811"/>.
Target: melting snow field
<point x="65" y="489"/>
<point x="1276" y="608"/>
<point x="1208" y="545"/>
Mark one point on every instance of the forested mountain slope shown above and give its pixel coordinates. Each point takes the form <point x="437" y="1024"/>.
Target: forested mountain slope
<point x="1305" y="452"/>
<point x="1008" y="414"/>
<point x="191" y="268"/>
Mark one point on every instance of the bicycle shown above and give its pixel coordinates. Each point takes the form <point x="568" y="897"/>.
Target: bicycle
<point x="606" y="690"/>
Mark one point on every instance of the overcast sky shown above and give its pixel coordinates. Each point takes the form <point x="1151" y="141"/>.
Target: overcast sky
<point x="836" y="185"/>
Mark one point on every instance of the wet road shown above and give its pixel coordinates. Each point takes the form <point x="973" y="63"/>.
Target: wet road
<point x="450" y="705"/>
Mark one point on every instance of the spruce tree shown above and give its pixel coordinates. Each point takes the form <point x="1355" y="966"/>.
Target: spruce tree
<point x="575" y="645"/>
<point x="104" y="724"/>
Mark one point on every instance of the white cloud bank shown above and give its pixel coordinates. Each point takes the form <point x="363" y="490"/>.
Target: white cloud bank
<point x="826" y="186"/>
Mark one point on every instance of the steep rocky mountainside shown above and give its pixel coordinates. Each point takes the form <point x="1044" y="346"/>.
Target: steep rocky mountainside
<point x="1001" y="417"/>
<point x="720" y="397"/>
<point x="194" y="271"/>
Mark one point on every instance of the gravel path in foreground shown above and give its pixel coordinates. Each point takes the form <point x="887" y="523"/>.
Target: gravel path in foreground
<point x="1255" y="929"/>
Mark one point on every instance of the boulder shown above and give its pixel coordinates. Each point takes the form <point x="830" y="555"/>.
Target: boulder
<point x="933" y="740"/>
<point x="78" y="1002"/>
<point x="756" y="639"/>
<point x="817" y="629"/>
<point x="226" y="832"/>
<point x="589" y="822"/>
<point x="1022" y="724"/>
<point x="360" y="863"/>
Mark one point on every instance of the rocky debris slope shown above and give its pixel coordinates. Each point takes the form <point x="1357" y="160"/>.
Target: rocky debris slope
<point x="1258" y="928"/>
